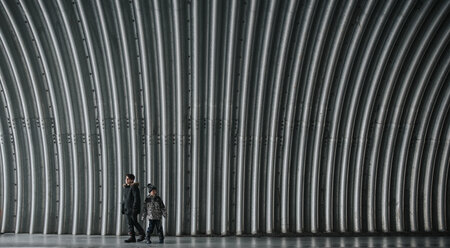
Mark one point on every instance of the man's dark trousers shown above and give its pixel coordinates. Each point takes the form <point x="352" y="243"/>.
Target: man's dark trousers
<point x="155" y="224"/>
<point x="133" y="222"/>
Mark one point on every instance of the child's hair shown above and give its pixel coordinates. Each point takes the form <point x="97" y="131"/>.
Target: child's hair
<point x="130" y="176"/>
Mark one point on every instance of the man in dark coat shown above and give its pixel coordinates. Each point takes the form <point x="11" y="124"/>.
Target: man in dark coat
<point x="131" y="205"/>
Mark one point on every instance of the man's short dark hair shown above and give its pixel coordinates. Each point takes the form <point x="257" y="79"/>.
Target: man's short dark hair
<point x="130" y="176"/>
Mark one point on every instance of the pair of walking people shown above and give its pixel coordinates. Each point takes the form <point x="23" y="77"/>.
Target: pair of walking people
<point x="154" y="210"/>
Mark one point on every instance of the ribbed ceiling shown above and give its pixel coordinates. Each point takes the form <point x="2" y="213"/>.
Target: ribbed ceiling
<point x="251" y="117"/>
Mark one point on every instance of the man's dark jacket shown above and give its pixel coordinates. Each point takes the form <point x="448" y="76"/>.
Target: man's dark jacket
<point x="131" y="200"/>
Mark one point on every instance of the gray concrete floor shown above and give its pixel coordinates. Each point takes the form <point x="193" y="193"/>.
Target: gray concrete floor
<point x="39" y="240"/>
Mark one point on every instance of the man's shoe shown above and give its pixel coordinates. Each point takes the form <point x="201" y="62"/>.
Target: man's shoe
<point x="161" y="241"/>
<point x="132" y="239"/>
<point x="141" y="238"/>
<point x="148" y="241"/>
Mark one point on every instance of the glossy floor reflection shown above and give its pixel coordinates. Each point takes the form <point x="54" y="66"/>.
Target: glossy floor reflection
<point x="38" y="240"/>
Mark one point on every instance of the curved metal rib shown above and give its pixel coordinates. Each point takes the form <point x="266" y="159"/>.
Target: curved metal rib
<point x="79" y="81"/>
<point x="290" y="118"/>
<point x="244" y="99"/>
<point x="406" y="138"/>
<point x="72" y="136"/>
<point x="17" y="151"/>
<point x="95" y="77"/>
<point x="229" y="76"/>
<point x="146" y="84"/>
<point x="382" y="116"/>
<point x="5" y="172"/>
<point x="362" y="74"/>
<point x="179" y="113"/>
<point x="441" y="115"/>
<point x="262" y="74"/>
<point x="85" y="121"/>
<point x="321" y="115"/>
<point x="212" y="60"/>
<point x="129" y="81"/>
<point x="274" y="112"/>
<point x="307" y="106"/>
<point x="34" y="172"/>
<point x="195" y="118"/>
<point x="22" y="196"/>
<point x="435" y="134"/>
<point x="54" y="106"/>
<point x="99" y="96"/>
<point x="393" y="32"/>
<point x="162" y="96"/>
<point x="110" y="68"/>
<point x="441" y="203"/>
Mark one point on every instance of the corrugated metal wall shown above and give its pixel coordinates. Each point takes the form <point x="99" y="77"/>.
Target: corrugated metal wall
<point x="250" y="116"/>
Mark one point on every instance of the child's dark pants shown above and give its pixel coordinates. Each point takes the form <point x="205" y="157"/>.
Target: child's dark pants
<point x="159" y="229"/>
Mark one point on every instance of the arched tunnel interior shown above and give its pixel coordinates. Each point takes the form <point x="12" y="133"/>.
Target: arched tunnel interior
<point x="251" y="117"/>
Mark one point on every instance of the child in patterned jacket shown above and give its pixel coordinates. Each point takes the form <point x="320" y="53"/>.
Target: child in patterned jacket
<point x="154" y="210"/>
